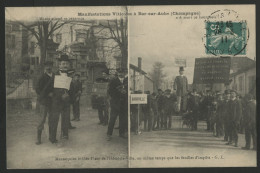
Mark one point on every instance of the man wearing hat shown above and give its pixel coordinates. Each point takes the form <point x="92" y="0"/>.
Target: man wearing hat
<point x="117" y="90"/>
<point x="235" y="112"/>
<point x="250" y="122"/>
<point x="61" y="103"/>
<point x="181" y="87"/>
<point x="160" y="102"/>
<point x="44" y="91"/>
<point x="225" y="114"/>
<point x="75" y="96"/>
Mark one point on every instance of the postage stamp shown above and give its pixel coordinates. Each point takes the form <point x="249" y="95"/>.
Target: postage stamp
<point x="227" y="35"/>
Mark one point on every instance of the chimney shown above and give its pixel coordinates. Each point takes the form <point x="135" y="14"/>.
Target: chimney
<point x="140" y="63"/>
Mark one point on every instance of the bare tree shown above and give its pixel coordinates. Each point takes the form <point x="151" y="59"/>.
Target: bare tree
<point x="114" y="30"/>
<point x="42" y="31"/>
<point x="157" y="74"/>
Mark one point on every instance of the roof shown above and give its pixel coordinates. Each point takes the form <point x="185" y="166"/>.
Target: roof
<point x="243" y="70"/>
<point x="135" y="68"/>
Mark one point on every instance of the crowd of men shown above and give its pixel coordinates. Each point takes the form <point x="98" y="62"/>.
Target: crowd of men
<point x="57" y="96"/>
<point x="226" y="114"/>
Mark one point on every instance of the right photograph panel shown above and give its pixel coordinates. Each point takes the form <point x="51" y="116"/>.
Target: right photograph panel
<point x="192" y="79"/>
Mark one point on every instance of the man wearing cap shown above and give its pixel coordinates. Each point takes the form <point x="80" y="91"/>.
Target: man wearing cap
<point x="61" y="102"/>
<point x="235" y="112"/>
<point x="181" y="87"/>
<point x="169" y="100"/>
<point x="225" y="115"/>
<point x="75" y="96"/>
<point x="44" y="90"/>
<point x="117" y="91"/>
<point x="219" y="115"/>
<point x="250" y="122"/>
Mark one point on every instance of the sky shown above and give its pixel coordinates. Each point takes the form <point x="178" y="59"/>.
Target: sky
<point x="164" y="38"/>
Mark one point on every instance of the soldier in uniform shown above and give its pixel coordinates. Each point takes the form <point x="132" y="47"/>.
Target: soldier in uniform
<point x="75" y="96"/>
<point x="250" y="122"/>
<point x="117" y="90"/>
<point x="44" y="91"/>
<point x="181" y="87"/>
<point x="235" y="112"/>
<point x="61" y="104"/>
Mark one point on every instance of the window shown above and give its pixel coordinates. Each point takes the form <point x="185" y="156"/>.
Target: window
<point x="10" y="41"/>
<point x="33" y="60"/>
<point x="32" y="47"/>
<point x="240" y="83"/>
<point x="251" y="82"/>
<point x="83" y="57"/>
<point x="8" y="28"/>
<point x="37" y="61"/>
<point x="58" y="38"/>
<point x="15" y="27"/>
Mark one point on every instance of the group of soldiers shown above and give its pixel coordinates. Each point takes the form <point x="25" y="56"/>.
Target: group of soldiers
<point x="55" y="99"/>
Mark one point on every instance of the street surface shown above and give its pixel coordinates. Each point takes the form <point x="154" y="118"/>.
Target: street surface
<point x="180" y="147"/>
<point x="86" y="147"/>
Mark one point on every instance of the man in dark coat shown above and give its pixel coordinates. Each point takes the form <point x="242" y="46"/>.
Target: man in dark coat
<point x="117" y="90"/>
<point x="147" y="111"/>
<point x="181" y="87"/>
<point x="225" y="115"/>
<point x="154" y="106"/>
<point x="75" y="96"/>
<point x="219" y="116"/>
<point x="61" y="102"/>
<point x="250" y="122"/>
<point x="44" y="90"/>
<point x="193" y="107"/>
<point x="160" y="103"/>
<point x="169" y="100"/>
<point x="235" y="112"/>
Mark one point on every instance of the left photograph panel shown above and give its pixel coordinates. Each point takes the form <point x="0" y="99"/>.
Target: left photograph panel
<point x="66" y="87"/>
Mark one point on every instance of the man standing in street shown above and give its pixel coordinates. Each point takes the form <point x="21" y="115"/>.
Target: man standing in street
<point x="75" y="96"/>
<point x="181" y="87"/>
<point x="44" y="91"/>
<point x="61" y="102"/>
<point x="250" y="122"/>
<point x="160" y="100"/>
<point x="235" y="113"/>
<point x="117" y="91"/>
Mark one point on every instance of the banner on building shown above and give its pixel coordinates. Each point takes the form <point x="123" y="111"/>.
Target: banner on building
<point x="180" y="62"/>
<point x="211" y="70"/>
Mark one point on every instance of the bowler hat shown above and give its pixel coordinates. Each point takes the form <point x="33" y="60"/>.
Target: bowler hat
<point x="181" y="69"/>
<point x="64" y="58"/>
<point x="234" y="91"/>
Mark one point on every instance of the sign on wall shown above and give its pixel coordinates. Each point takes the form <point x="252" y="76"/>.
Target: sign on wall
<point x="211" y="70"/>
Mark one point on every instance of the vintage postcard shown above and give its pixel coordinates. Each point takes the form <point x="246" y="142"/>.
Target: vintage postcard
<point x="130" y="86"/>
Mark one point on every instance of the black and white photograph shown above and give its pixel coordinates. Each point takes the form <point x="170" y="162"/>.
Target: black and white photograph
<point x="193" y="84"/>
<point x="155" y="86"/>
<point x="66" y="87"/>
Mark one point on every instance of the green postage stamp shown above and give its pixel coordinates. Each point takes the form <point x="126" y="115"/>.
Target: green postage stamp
<point x="226" y="37"/>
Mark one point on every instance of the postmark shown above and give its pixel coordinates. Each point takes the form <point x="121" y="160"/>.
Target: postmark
<point x="226" y="35"/>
